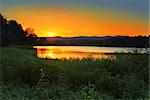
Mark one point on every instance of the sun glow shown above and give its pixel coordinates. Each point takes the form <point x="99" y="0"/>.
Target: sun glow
<point x="47" y="34"/>
<point x="51" y="34"/>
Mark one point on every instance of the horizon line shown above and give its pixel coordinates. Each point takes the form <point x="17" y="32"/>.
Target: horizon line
<point x="92" y="36"/>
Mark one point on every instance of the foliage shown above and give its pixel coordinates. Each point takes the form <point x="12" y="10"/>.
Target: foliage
<point x="28" y="77"/>
<point x="12" y="33"/>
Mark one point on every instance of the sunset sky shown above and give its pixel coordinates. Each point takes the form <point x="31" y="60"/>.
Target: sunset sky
<point x="69" y="18"/>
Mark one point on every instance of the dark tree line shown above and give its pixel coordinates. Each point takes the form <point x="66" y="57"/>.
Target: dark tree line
<point x="126" y="41"/>
<point x="108" y="41"/>
<point x="12" y="33"/>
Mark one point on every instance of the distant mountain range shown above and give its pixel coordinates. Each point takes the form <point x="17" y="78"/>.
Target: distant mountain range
<point x="118" y="41"/>
<point x="86" y="37"/>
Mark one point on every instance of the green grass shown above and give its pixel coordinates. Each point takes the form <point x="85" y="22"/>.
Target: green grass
<point x="26" y="77"/>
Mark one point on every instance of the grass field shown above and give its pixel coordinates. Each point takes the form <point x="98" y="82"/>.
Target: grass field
<point x="25" y="77"/>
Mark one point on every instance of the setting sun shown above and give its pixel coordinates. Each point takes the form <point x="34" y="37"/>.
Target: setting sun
<point x="51" y="34"/>
<point x="47" y="34"/>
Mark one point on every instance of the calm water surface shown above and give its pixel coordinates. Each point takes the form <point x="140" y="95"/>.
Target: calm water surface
<point x="60" y="52"/>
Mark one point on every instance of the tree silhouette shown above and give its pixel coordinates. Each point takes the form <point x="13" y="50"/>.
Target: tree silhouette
<point x="12" y="33"/>
<point x="31" y="36"/>
<point x="3" y="30"/>
<point x="17" y="34"/>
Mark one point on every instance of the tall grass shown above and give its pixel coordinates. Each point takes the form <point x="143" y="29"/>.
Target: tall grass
<point x="127" y="76"/>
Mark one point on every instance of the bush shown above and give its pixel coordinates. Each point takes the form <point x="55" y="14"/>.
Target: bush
<point x="126" y="76"/>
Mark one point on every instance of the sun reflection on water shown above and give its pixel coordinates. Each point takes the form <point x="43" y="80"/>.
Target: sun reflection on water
<point x="63" y="52"/>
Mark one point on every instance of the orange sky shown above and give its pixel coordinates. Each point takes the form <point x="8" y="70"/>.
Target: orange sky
<point x="61" y="21"/>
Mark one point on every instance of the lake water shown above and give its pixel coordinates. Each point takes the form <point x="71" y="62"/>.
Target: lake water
<point x="61" y="52"/>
